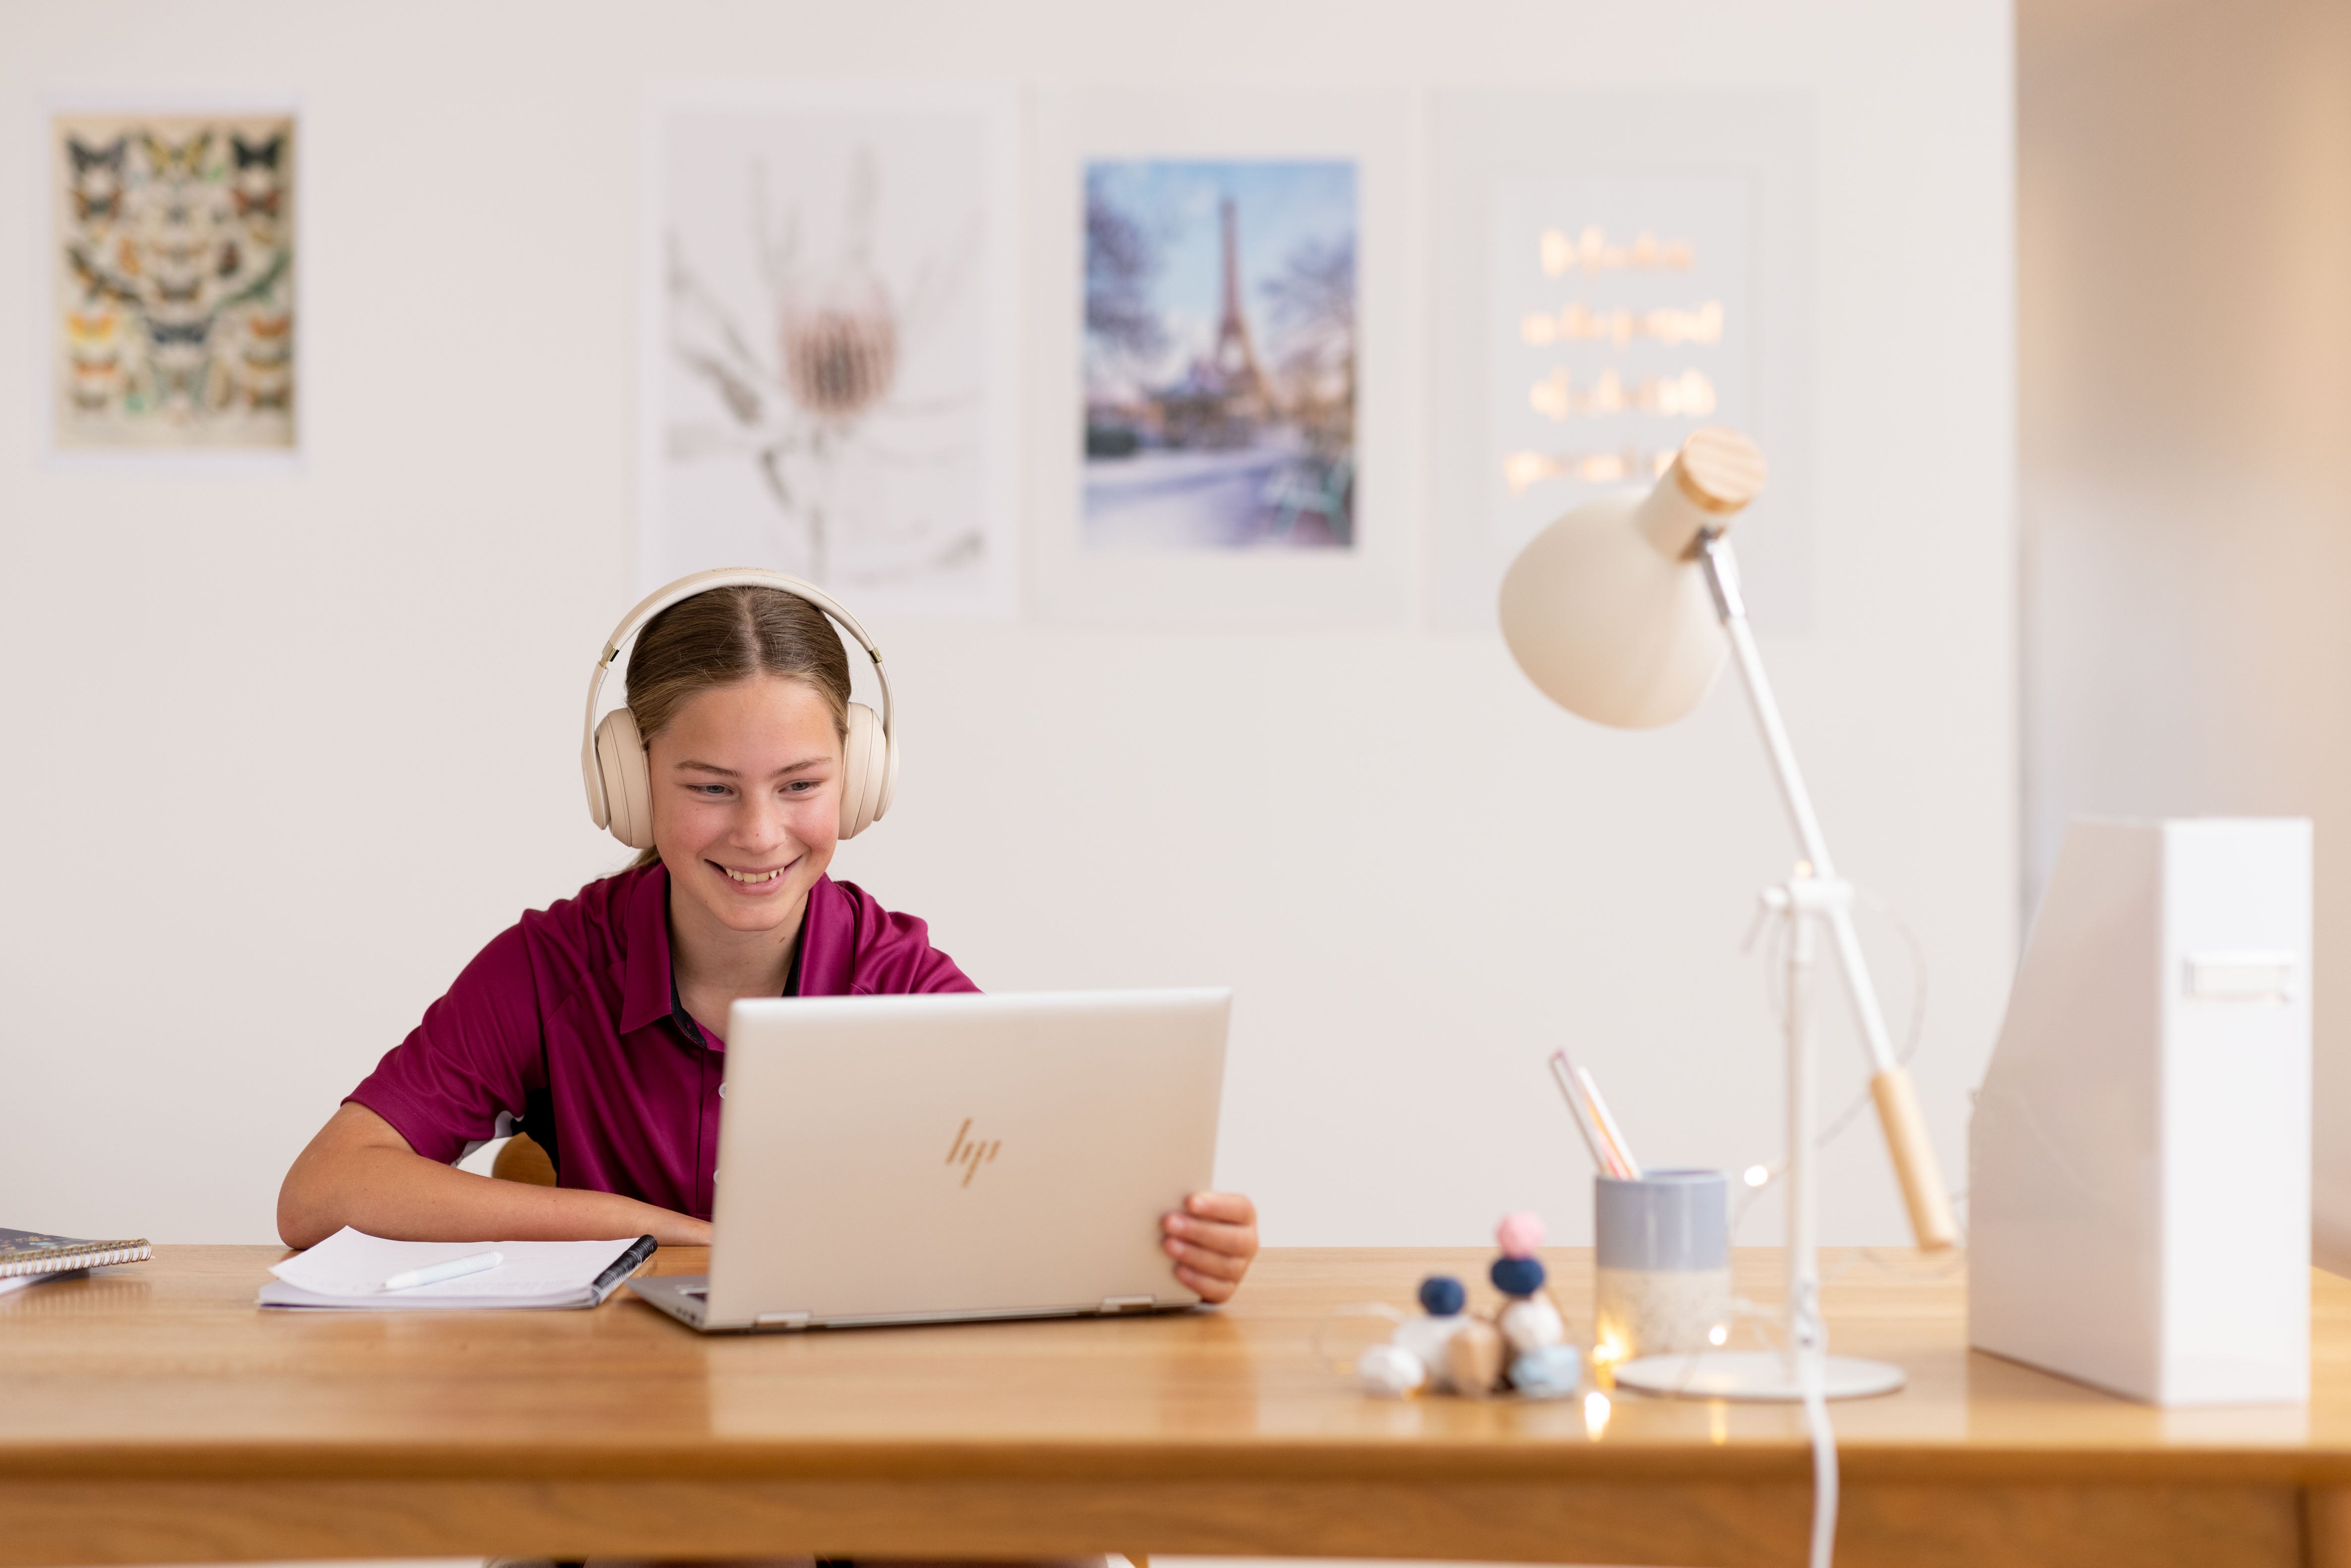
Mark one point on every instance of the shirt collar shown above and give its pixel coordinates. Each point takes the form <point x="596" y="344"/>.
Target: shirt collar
<point x="827" y="961"/>
<point x="648" y="993"/>
<point x="644" y="926"/>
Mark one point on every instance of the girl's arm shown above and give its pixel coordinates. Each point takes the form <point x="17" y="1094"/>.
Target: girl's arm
<point x="358" y="1171"/>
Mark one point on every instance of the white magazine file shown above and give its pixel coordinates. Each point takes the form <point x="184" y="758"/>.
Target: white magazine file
<point x="2139" y="1158"/>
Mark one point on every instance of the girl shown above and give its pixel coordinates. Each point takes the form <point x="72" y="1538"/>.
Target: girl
<point x="598" y="1021"/>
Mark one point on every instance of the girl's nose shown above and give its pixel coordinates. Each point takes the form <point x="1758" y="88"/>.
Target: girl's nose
<point x="761" y="822"/>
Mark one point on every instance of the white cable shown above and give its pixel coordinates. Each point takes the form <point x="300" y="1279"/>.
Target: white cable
<point x="1824" y="1462"/>
<point x="1811" y="1353"/>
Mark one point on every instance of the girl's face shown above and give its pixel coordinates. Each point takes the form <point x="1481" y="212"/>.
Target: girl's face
<point x="746" y="800"/>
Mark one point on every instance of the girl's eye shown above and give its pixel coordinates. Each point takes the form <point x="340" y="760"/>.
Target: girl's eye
<point x="710" y="791"/>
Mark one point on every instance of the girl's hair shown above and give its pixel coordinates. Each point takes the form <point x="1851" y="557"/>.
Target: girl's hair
<point x="728" y="634"/>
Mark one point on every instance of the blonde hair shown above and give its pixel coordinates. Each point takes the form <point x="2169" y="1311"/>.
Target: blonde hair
<point x="731" y="634"/>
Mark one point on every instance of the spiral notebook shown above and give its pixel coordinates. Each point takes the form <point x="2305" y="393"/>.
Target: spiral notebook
<point x="28" y="1255"/>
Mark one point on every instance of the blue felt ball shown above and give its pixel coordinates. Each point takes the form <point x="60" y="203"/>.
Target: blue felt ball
<point x="1442" y="1295"/>
<point x="1517" y="1276"/>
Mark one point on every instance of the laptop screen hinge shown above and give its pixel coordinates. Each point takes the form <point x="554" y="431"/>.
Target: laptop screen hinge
<point x="783" y="1320"/>
<point x="1128" y="1303"/>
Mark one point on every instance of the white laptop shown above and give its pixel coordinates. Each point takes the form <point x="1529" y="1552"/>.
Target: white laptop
<point x="935" y="1158"/>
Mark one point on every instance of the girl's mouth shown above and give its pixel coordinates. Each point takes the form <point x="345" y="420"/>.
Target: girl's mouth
<point x="756" y="878"/>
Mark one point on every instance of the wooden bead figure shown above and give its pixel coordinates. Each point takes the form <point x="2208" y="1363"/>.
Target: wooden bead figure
<point x="1474" y="1357"/>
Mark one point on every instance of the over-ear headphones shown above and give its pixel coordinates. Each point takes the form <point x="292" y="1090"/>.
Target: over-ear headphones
<point x="612" y="754"/>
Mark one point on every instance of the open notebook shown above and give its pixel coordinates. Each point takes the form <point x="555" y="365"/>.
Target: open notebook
<point x="350" y="1268"/>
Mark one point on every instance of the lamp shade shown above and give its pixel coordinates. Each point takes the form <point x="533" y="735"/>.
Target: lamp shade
<point x="1607" y="609"/>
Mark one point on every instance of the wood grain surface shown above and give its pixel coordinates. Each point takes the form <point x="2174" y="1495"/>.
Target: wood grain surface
<point x="151" y="1414"/>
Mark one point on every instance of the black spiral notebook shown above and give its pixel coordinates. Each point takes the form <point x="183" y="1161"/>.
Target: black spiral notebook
<point x="38" y="1253"/>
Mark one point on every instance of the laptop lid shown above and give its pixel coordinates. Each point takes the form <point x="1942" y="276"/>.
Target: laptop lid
<point x="911" y="1159"/>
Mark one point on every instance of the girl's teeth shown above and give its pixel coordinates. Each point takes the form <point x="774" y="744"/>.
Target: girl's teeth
<point x="761" y="876"/>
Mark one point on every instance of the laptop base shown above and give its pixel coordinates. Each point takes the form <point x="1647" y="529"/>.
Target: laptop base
<point x="685" y="1297"/>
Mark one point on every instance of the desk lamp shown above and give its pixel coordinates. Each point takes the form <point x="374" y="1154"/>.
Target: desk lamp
<point x="1622" y="612"/>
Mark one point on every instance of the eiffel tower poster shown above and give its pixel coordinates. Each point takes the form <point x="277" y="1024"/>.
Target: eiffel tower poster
<point x="1219" y="344"/>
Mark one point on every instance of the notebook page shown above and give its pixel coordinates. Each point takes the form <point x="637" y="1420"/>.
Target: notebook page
<point x="352" y="1264"/>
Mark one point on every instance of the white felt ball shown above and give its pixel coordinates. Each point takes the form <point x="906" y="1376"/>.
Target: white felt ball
<point x="1532" y="1323"/>
<point x="1392" y="1370"/>
<point x="1426" y="1337"/>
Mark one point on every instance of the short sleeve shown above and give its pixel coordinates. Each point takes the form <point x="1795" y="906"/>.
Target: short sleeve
<point x="926" y="968"/>
<point x="476" y="1052"/>
<point x="895" y="959"/>
<point x="856" y="947"/>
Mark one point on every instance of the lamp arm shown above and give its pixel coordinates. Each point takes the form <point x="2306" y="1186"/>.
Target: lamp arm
<point x="1897" y="1103"/>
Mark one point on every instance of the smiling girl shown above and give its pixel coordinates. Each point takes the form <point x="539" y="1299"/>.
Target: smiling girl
<point x="597" y="1023"/>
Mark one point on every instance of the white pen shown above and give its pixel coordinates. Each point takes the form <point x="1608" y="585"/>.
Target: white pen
<point x="455" y="1268"/>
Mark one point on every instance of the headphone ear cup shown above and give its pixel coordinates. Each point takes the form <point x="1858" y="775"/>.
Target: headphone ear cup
<point x="866" y="772"/>
<point x="628" y="784"/>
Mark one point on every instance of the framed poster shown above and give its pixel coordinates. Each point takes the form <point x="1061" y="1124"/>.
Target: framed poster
<point x="169" y="260"/>
<point x="1615" y="270"/>
<point x="827" y="372"/>
<point x="1220" y="381"/>
<point x="1221" y="325"/>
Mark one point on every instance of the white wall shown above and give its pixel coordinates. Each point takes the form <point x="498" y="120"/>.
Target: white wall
<point x="286" y="751"/>
<point x="2185" y="232"/>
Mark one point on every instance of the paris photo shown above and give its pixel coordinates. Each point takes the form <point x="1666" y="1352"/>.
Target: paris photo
<point x="1220" y="355"/>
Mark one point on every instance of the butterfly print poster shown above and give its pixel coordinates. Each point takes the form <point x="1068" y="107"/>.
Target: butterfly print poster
<point x="173" y="256"/>
<point x="828" y="317"/>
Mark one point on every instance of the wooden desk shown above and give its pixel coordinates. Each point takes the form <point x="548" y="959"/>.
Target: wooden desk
<point x="152" y="1415"/>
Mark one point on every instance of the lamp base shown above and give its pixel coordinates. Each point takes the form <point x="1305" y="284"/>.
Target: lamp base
<point x="1762" y="1377"/>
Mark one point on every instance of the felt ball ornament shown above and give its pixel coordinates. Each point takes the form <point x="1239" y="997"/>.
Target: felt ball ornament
<point x="1517" y="1276"/>
<point x="1392" y="1370"/>
<point x="1532" y="1323"/>
<point x="1554" y="1372"/>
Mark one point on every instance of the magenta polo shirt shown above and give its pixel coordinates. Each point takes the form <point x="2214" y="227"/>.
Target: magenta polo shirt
<point x="571" y="1015"/>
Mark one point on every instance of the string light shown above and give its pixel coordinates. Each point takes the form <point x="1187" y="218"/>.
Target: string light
<point x="1595" y="1414"/>
<point x="1758" y="1175"/>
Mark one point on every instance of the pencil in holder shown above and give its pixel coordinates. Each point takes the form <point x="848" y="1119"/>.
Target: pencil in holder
<point x="1663" y="1284"/>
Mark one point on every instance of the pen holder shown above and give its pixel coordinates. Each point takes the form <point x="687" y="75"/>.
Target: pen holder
<point x="1663" y="1284"/>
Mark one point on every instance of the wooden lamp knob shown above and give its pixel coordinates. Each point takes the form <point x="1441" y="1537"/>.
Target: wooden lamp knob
<point x="1719" y="471"/>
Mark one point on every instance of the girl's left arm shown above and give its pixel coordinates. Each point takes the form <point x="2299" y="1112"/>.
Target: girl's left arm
<point x="1213" y="1240"/>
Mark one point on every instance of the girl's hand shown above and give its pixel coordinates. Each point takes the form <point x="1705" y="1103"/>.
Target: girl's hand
<point x="1213" y="1240"/>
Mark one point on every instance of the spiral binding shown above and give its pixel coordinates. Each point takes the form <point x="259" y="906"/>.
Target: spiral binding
<point x="87" y="1255"/>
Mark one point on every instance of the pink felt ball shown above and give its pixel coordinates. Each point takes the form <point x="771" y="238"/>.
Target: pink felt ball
<point x="1519" y="1234"/>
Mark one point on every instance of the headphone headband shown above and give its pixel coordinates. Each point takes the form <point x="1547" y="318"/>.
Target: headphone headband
<point x="686" y="587"/>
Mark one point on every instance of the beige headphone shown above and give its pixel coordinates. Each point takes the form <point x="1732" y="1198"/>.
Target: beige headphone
<point x="612" y="754"/>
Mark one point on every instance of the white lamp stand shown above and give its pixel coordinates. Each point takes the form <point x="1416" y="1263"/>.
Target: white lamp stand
<point x="1803" y="1364"/>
